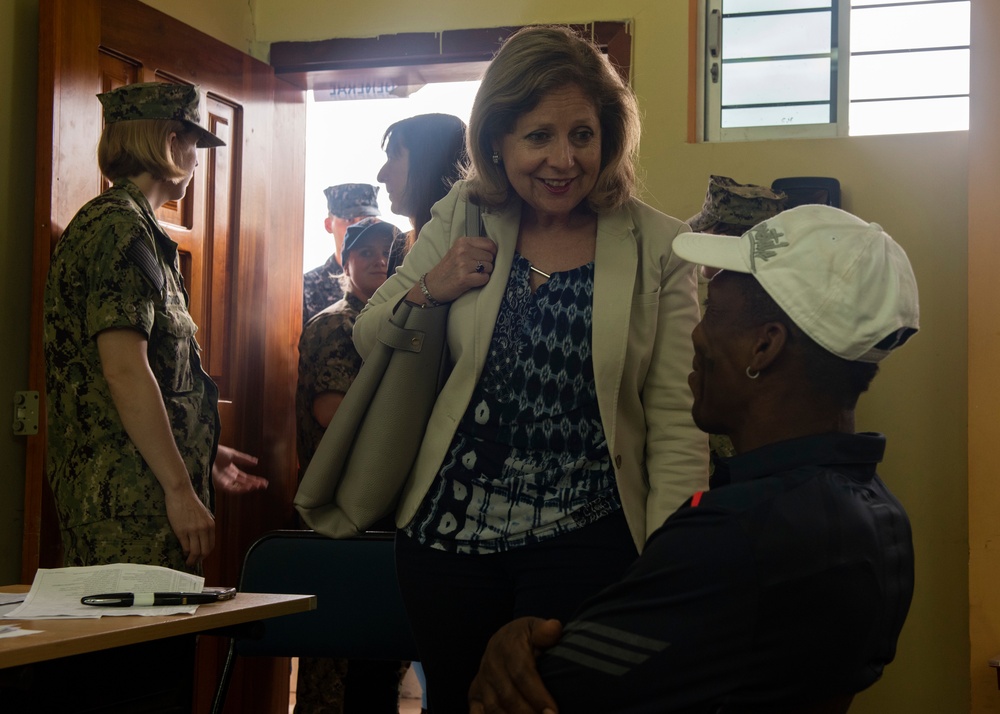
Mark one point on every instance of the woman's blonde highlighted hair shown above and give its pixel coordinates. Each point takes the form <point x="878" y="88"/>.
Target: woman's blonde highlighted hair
<point x="532" y="63"/>
<point x="129" y="148"/>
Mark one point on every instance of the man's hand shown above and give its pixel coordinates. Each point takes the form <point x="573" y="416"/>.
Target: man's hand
<point x="227" y="473"/>
<point x="508" y="681"/>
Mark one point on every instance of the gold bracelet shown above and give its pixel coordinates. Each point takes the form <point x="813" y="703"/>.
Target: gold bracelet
<point x="427" y="293"/>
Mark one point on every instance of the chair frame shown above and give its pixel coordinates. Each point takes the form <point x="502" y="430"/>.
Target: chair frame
<point x="352" y="575"/>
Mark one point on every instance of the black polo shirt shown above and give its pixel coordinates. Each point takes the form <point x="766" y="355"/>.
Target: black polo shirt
<point x="788" y="581"/>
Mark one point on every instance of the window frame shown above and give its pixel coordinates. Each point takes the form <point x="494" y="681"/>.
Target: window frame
<point x="709" y="100"/>
<point x="708" y="108"/>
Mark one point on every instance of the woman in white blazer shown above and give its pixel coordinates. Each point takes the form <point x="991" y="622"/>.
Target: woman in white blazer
<point x="563" y="437"/>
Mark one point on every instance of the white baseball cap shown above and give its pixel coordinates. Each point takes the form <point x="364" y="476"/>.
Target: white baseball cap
<point x="843" y="281"/>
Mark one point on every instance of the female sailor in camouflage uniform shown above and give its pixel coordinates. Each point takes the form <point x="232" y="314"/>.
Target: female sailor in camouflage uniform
<point x="133" y="422"/>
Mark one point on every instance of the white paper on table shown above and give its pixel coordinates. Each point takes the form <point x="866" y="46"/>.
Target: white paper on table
<point x="56" y="592"/>
<point x="15" y="631"/>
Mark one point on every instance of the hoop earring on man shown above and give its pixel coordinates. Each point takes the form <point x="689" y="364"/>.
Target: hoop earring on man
<point x="754" y="375"/>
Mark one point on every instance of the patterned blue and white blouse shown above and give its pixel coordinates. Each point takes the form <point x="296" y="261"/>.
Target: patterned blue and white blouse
<point x="529" y="460"/>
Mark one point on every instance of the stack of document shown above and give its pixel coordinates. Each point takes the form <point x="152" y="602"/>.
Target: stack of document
<point x="56" y="592"/>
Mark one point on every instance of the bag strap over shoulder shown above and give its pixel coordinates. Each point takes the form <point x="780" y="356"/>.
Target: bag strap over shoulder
<point x="408" y="326"/>
<point x="473" y="220"/>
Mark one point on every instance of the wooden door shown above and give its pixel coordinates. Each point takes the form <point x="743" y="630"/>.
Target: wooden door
<point x="239" y="230"/>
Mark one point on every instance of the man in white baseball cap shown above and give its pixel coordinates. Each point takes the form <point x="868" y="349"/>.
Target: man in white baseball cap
<point x="783" y="587"/>
<point x="842" y="280"/>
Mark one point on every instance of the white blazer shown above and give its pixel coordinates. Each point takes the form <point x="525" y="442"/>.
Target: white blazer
<point x="645" y="307"/>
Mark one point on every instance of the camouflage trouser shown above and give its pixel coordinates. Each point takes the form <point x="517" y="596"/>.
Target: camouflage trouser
<point x="320" y="686"/>
<point x="148" y="540"/>
<point x="338" y="686"/>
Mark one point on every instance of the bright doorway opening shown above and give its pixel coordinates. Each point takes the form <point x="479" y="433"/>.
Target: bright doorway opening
<point x="344" y="145"/>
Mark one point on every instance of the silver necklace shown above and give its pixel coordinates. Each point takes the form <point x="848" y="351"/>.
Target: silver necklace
<point x="533" y="269"/>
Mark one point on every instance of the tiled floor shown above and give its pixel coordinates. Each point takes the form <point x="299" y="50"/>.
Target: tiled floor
<point x="409" y="698"/>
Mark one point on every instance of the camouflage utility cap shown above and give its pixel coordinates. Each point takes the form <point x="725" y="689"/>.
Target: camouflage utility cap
<point x="350" y="200"/>
<point x="158" y="100"/>
<point x="367" y="229"/>
<point x="736" y="204"/>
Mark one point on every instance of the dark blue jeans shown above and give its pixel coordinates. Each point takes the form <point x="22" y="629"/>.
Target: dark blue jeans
<point x="456" y="602"/>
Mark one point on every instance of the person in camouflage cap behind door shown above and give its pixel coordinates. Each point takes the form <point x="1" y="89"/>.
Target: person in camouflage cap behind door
<point x="328" y="365"/>
<point x="347" y="203"/>
<point x="133" y="423"/>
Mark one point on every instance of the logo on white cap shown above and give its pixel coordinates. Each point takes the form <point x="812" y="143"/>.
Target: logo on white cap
<point x="843" y="281"/>
<point x="764" y="243"/>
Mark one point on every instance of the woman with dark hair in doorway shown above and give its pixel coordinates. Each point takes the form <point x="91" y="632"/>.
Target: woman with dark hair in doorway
<point x="425" y="155"/>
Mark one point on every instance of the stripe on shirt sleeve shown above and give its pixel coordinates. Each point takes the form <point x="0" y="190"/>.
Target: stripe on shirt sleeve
<point x="606" y="649"/>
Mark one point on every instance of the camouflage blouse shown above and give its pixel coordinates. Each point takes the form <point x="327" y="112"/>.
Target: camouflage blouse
<point x="328" y="362"/>
<point x="114" y="267"/>
<point x="321" y="288"/>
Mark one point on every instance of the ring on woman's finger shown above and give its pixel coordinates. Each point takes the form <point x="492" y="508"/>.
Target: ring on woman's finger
<point x="479" y="267"/>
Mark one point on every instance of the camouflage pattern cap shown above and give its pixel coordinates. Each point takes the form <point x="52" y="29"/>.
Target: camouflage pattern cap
<point x="350" y="200"/>
<point x="367" y="229"/>
<point x="736" y="204"/>
<point x="158" y="100"/>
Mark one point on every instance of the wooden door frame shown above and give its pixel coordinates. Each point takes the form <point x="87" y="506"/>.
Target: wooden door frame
<point x="411" y="57"/>
<point x="51" y="65"/>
